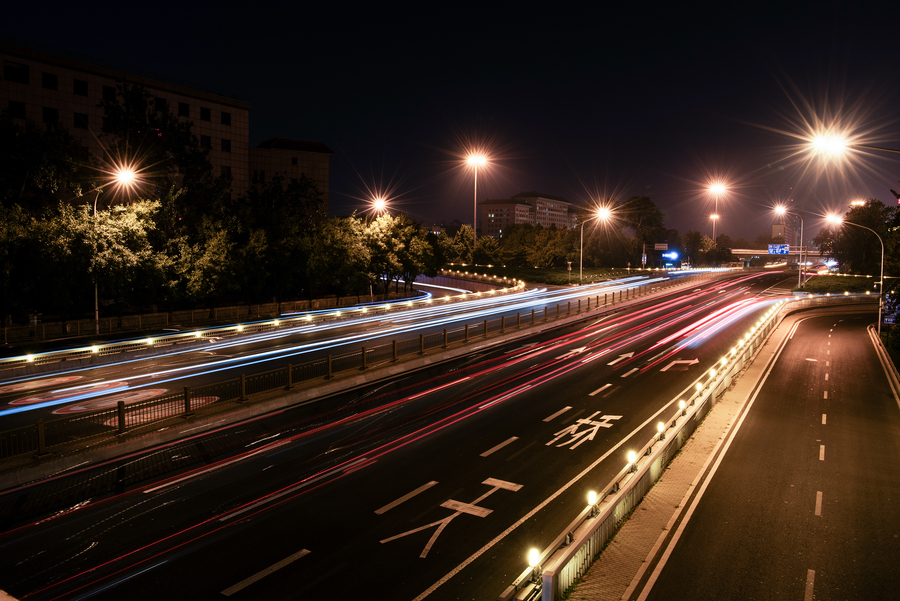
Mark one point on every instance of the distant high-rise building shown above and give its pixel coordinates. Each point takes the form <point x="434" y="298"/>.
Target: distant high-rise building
<point x="532" y="208"/>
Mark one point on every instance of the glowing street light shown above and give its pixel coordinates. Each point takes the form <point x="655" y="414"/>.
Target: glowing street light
<point x="783" y="211"/>
<point x="476" y="161"/>
<point x="836" y="219"/>
<point x="122" y="177"/>
<point x="379" y="204"/>
<point x="602" y="214"/>
<point x="717" y="190"/>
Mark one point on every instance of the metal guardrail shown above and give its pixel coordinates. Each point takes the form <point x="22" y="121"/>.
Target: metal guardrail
<point x="253" y="327"/>
<point x="557" y="568"/>
<point x="109" y="423"/>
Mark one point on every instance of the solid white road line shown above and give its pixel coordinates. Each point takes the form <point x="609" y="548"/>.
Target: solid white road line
<point x="819" y="503"/>
<point x="405" y="497"/>
<point x="499" y="446"/>
<point x="260" y="575"/>
<point x="557" y="414"/>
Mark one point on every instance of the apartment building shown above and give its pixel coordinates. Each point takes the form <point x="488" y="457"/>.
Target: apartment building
<point x="526" y="207"/>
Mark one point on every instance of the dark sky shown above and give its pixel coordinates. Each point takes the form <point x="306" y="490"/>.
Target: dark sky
<point x="616" y="100"/>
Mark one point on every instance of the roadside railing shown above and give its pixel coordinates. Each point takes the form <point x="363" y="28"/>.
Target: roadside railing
<point x="108" y="423"/>
<point x="555" y="570"/>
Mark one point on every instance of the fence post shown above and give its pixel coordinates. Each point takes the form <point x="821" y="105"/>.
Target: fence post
<point x="187" y="401"/>
<point x="569" y="308"/>
<point x="243" y="389"/>
<point x="579" y="305"/>
<point x="485" y="328"/>
<point x="445" y="337"/>
<point x="518" y="321"/>
<point x="421" y="344"/>
<point x="589" y="304"/>
<point x="545" y="313"/>
<point x="394" y="354"/>
<point x="328" y="375"/>
<point x="363" y="358"/>
<point x="532" y="317"/>
<point x="604" y="299"/>
<point x="120" y="413"/>
<point x="290" y="377"/>
<point x="42" y="441"/>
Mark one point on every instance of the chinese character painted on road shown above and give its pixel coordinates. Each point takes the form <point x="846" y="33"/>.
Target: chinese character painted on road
<point x="593" y="427"/>
<point x="459" y="508"/>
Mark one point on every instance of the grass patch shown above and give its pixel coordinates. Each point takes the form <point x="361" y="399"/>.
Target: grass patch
<point x="838" y="284"/>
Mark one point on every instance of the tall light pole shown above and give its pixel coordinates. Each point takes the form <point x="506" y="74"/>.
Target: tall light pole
<point x="716" y="190"/>
<point x="476" y="161"/>
<point x="839" y="220"/>
<point x="783" y="211"/>
<point x="123" y="177"/>
<point x="602" y="214"/>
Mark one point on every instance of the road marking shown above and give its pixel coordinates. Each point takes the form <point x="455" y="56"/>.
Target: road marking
<point x="828" y="352"/>
<point x="499" y="446"/>
<point x="821" y="452"/>
<point x="810" y="579"/>
<point x="827" y="363"/>
<point x="808" y="359"/>
<point x="826" y="377"/>
<point x="826" y="394"/>
<point x="405" y="497"/>
<point x="260" y="575"/>
<point x="819" y="503"/>
<point x="673" y="363"/>
<point x="621" y="358"/>
<point x="599" y="390"/>
<point x="557" y="414"/>
<point x="829" y="335"/>
<point x="625" y="375"/>
<point x="823" y="419"/>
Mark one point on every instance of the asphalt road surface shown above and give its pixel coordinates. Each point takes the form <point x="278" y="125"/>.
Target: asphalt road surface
<point x="434" y="485"/>
<point x="804" y="504"/>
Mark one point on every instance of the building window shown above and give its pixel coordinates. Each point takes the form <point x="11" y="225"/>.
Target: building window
<point x="184" y="109"/>
<point x="226" y="118"/>
<point x="16" y="110"/>
<point x="205" y="114"/>
<point x="293" y="160"/>
<point x="79" y="87"/>
<point x="226" y="145"/>
<point x="49" y="81"/>
<point x="160" y="105"/>
<point x="226" y="171"/>
<point x="50" y="115"/>
<point x="109" y="93"/>
<point x="81" y="121"/>
<point x="15" y="72"/>
<point x="205" y="142"/>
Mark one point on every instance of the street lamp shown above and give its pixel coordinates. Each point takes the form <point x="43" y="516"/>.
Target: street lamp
<point x="603" y="214"/>
<point x="122" y="177"/>
<point x="716" y="189"/>
<point x="476" y="161"/>
<point x="784" y="211"/>
<point x="379" y="204"/>
<point x="839" y="220"/>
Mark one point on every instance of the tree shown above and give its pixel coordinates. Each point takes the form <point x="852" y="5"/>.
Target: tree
<point x="858" y="250"/>
<point x="644" y="218"/>
<point x="339" y="258"/>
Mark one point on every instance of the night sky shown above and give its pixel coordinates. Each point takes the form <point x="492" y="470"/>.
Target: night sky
<point x="617" y="101"/>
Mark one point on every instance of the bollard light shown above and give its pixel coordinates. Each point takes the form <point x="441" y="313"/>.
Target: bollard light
<point x="533" y="557"/>
<point x="150" y="341"/>
<point x="276" y="322"/>
<point x="29" y="358"/>
<point x="196" y="334"/>
<point x="724" y="361"/>
<point x="632" y="460"/>
<point x="712" y="373"/>
<point x="682" y="405"/>
<point x="660" y="428"/>
<point x="240" y="328"/>
<point x="699" y="386"/>
<point x="95" y="349"/>
<point x="592" y="498"/>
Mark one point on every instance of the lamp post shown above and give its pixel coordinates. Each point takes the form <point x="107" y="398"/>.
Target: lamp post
<point x="716" y="189"/>
<point x="123" y="177"/>
<point x="839" y="220"/>
<point x="602" y="214"/>
<point x="475" y="160"/>
<point x="783" y="211"/>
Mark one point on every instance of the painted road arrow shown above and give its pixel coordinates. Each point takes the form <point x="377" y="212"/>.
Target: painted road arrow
<point x="621" y="358"/>
<point x="673" y="363"/>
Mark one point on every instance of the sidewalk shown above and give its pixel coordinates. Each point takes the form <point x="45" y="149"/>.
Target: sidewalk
<point x="623" y="567"/>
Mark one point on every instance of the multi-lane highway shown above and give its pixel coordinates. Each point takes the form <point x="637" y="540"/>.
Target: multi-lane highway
<point x="432" y="485"/>
<point x="803" y="505"/>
